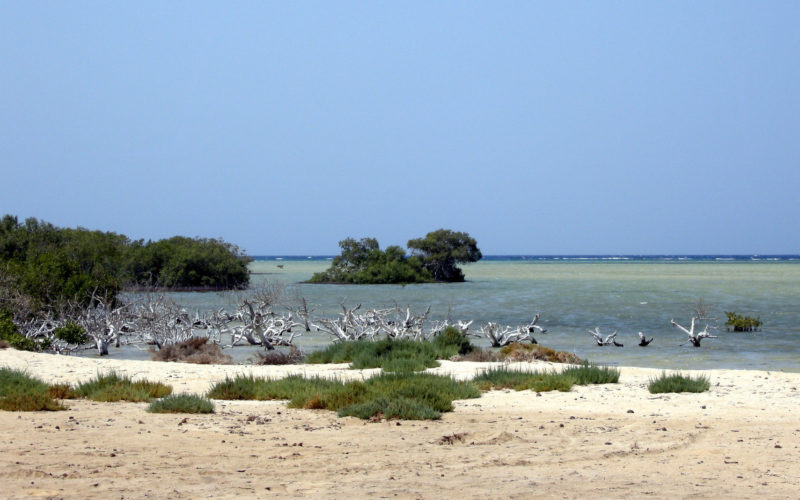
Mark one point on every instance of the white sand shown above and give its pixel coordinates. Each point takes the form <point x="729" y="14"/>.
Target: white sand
<point x="738" y="440"/>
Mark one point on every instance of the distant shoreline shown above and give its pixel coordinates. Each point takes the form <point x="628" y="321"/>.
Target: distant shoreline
<point x="582" y="258"/>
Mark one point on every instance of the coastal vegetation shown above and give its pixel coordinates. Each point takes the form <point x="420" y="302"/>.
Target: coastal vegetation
<point x="739" y="323"/>
<point x="434" y="258"/>
<point x="412" y="396"/>
<point x="112" y="387"/>
<point x="363" y="262"/>
<point x="22" y="392"/>
<point x="196" y="350"/>
<point x="544" y="380"/>
<point x="58" y="282"/>
<point x="181" y="403"/>
<point x="678" y="383"/>
<point x="442" y="249"/>
<point x="406" y="395"/>
<point x="46" y="267"/>
<point x="395" y="355"/>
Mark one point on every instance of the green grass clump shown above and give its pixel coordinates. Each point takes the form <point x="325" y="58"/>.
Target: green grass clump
<point x="451" y="338"/>
<point x="113" y="387"/>
<point x="21" y="392"/>
<point x="182" y="403"/>
<point x="391" y="407"/>
<point x="587" y="373"/>
<point x="539" y="381"/>
<point x="739" y="323"/>
<point x="390" y="395"/>
<point x="403" y="355"/>
<point x="678" y="383"/>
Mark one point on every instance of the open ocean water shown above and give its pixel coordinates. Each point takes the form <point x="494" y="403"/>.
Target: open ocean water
<point x="574" y="294"/>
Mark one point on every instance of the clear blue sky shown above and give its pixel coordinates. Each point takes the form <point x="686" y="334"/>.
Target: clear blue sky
<point x="537" y="127"/>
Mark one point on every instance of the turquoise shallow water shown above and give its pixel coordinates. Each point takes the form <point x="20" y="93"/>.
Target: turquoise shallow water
<point x="574" y="296"/>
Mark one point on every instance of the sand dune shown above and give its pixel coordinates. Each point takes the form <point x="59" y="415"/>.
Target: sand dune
<point x="739" y="440"/>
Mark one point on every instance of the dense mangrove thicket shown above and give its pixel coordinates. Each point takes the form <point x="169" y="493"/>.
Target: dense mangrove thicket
<point x="48" y="266"/>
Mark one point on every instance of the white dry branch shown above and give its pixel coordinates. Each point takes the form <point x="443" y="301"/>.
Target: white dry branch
<point x="604" y="341"/>
<point x="695" y="338"/>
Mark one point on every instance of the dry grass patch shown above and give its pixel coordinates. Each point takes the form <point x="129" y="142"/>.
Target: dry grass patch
<point x="194" y="350"/>
<point x="293" y="357"/>
<point x="535" y="352"/>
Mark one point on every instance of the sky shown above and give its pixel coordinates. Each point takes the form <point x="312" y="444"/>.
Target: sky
<point x="283" y="127"/>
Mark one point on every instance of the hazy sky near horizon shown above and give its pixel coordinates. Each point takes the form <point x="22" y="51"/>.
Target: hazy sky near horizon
<point x="537" y="127"/>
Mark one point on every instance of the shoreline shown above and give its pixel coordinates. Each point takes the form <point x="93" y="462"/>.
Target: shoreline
<point x="737" y="440"/>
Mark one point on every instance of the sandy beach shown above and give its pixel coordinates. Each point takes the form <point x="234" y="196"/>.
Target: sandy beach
<point x="738" y="440"/>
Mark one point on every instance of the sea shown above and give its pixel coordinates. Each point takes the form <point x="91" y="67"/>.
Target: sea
<point x="572" y="294"/>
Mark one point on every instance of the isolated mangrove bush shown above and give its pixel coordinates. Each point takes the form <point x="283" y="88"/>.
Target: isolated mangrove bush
<point x="181" y="403"/>
<point x="739" y="323"/>
<point x="363" y="262"/>
<point x="678" y="383"/>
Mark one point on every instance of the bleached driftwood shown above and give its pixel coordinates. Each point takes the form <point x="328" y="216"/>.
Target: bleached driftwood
<point x="500" y="336"/>
<point x="695" y="338"/>
<point x="604" y="341"/>
<point x="462" y="326"/>
<point x="533" y="327"/>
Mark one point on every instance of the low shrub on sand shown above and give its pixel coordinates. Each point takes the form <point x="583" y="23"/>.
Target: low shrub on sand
<point x="535" y="352"/>
<point x="539" y="381"/>
<point x="113" y="387"/>
<point x="520" y="352"/>
<point x="181" y="403"/>
<point x="403" y="355"/>
<point x="294" y="356"/>
<point x="678" y="383"/>
<point x="587" y="374"/>
<point x="481" y="355"/>
<point x="4" y="344"/>
<point x="194" y="350"/>
<point x="21" y="392"/>
<point x="413" y="396"/>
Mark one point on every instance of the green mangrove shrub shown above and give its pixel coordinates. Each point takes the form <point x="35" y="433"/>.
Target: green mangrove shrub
<point x="739" y="323"/>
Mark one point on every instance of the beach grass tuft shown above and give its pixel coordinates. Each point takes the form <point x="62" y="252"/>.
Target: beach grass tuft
<point x="181" y="403"/>
<point x="538" y="381"/>
<point x="113" y="387"/>
<point x="21" y="392"/>
<point x="403" y="355"/>
<point x="391" y="395"/>
<point x="588" y="373"/>
<point x="678" y="382"/>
